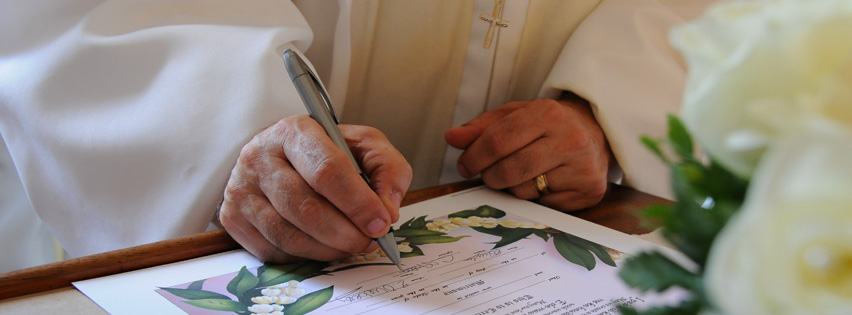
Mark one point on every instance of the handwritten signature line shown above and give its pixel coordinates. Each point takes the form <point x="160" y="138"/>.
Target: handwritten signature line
<point x="515" y="249"/>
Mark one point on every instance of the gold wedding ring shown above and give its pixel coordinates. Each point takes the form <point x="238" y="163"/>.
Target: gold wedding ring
<point x="541" y="184"/>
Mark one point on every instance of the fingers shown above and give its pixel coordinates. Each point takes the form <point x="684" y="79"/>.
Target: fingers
<point x="517" y="129"/>
<point x="571" y="188"/>
<point x="267" y="235"/>
<point x="559" y="138"/>
<point x="390" y="173"/>
<point x="293" y="193"/>
<point x="329" y="172"/>
<point x="304" y="211"/>
<point x="461" y="137"/>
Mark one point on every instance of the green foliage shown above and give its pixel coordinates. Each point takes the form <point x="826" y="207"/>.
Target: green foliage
<point x="573" y="252"/>
<point x="484" y="211"/>
<point x="415" y="251"/>
<point x="219" y="305"/>
<point x="592" y="247"/>
<point x="243" y="282"/>
<point x="509" y="236"/>
<point x="706" y="196"/>
<point x="432" y="239"/>
<point x="195" y="294"/>
<point x="196" y="285"/>
<point x="272" y="274"/>
<point x="310" y="302"/>
<point x="414" y="233"/>
<point x="651" y="271"/>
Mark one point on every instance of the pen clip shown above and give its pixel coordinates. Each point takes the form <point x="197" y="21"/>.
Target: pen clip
<point x="323" y="93"/>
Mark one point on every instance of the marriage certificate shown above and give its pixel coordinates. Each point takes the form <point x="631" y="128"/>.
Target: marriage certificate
<point x="477" y="251"/>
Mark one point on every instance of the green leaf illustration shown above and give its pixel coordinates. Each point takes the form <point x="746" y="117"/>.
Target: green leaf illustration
<point x="541" y="233"/>
<point x="512" y="235"/>
<point x="573" y="253"/>
<point x="496" y="231"/>
<point x="310" y="301"/>
<point x="193" y="294"/>
<point x="242" y="282"/>
<point x="196" y="285"/>
<point x="432" y="239"/>
<point x="219" y="305"/>
<point x="415" y="251"/>
<point x="593" y="247"/>
<point x="509" y="236"/>
<point x="406" y="224"/>
<point x="412" y="232"/>
<point x="484" y="211"/>
<point x="269" y="272"/>
<point x="418" y="223"/>
<point x="302" y="271"/>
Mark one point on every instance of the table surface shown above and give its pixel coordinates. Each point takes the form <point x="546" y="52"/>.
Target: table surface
<point x="48" y="287"/>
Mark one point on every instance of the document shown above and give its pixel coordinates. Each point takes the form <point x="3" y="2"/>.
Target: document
<point x="478" y="252"/>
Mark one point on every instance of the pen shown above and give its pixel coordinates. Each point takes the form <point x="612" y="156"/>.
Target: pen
<point x="319" y="106"/>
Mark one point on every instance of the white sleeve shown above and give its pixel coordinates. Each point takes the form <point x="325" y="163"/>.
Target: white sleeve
<point x="620" y="60"/>
<point x="124" y="118"/>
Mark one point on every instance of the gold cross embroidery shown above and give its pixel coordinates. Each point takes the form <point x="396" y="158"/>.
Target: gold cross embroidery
<point x="495" y="19"/>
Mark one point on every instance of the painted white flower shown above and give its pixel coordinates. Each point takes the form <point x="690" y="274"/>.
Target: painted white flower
<point x="271" y="291"/>
<point x="293" y="292"/>
<point x="489" y="225"/>
<point x="511" y="224"/>
<point x="404" y="247"/>
<point x="450" y="226"/>
<point x="265" y="308"/>
<point x="264" y="299"/>
<point x="789" y="249"/>
<point x="441" y="222"/>
<point x="285" y="300"/>
<point x="762" y="70"/>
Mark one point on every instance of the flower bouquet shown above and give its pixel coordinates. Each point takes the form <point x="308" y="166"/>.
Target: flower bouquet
<point x="766" y="216"/>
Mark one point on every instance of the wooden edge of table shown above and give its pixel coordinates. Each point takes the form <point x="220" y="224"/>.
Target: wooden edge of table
<point x="615" y="211"/>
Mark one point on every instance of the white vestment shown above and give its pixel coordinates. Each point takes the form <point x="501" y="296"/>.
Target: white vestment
<point x="124" y="118"/>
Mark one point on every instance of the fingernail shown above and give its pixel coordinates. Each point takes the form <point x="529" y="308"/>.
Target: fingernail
<point x="376" y="226"/>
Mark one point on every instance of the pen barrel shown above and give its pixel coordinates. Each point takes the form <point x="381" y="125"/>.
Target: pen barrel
<point x="309" y="93"/>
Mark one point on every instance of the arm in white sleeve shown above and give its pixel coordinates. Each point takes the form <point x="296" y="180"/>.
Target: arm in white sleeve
<point x="620" y="60"/>
<point x="124" y="118"/>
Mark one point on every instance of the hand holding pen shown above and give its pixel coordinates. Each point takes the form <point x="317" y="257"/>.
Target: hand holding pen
<point x="295" y="193"/>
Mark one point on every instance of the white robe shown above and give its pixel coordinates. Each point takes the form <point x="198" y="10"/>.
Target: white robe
<point x="124" y="118"/>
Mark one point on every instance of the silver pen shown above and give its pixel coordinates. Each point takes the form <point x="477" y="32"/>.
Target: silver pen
<point x="319" y="106"/>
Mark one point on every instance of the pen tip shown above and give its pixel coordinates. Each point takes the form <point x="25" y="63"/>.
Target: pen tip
<point x="398" y="266"/>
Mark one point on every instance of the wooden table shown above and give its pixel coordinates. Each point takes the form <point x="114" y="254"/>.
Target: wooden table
<point x="48" y="287"/>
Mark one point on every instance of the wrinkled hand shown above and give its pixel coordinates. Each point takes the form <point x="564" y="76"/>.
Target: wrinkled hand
<point x="293" y="193"/>
<point x="513" y="144"/>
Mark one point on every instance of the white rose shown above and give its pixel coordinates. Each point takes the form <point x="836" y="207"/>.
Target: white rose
<point x="761" y="70"/>
<point x="789" y="249"/>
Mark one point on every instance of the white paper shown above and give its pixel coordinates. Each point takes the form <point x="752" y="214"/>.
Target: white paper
<point x="462" y="270"/>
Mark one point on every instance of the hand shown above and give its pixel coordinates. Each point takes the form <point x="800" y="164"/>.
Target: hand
<point x="515" y="143"/>
<point x="293" y="193"/>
